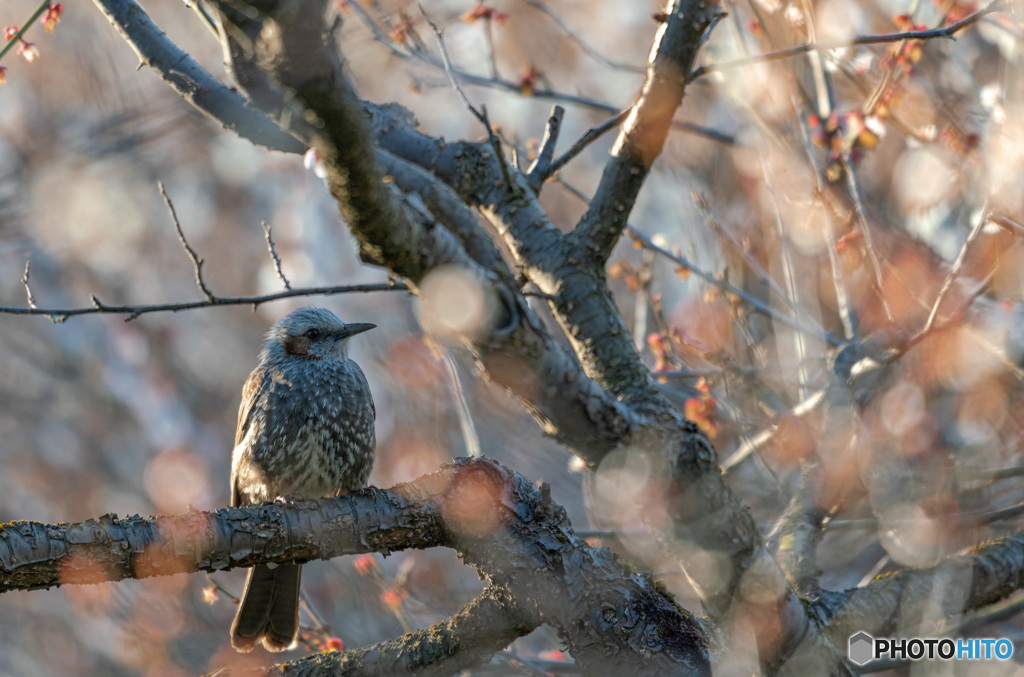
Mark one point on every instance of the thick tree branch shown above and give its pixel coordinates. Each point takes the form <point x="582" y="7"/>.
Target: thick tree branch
<point x="578" y="295"/>
<point x="614" y="622"/>
<point x="644" y="132"/>
<point x="399" y="234"/>
<point x="702" y="509"/>
<point x="470" y="638"/>
<point x="191" y="81"/>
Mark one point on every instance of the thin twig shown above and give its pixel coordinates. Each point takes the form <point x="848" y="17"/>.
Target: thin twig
<point x="16" y="38"/>
<point x="540" y="170"/>
<point x="788" y="274"/>
<point x="1006" y="223"/>
<point x="956" y="317"/>
<point x="469" y="435"/>
<point x="492" y="61"/>
<point x="951" y="275"/>
<point x="274" y="256"/>
<point x="722" y="284"/>
<point x="515" y="87"/>
<point x="575" y="37"/>
<point x="838" y="283"/>
<point x="481" y="114"/>
<point x="197" y="262"/>
<point x="221" y="588"/>
<point x="318" y="620"/>
<point x="704" y="207"/>
<point x="947" y="32"/>
<point x="810" y="403"/>
<point x="450" y="70"/>
<point x="865" y="231"/>
<point x="592" y="135"/>
<point x="31" y="300"/>
<point x="61" y="314"/>
<point x="28" y="290"/>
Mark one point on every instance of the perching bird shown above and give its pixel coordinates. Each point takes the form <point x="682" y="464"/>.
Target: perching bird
<point x="305" y="430"/>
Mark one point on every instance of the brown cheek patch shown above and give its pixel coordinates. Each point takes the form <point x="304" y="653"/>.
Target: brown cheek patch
<point x="297" y="346"/>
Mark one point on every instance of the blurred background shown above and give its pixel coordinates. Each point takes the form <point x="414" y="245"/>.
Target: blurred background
<point x="99" y="415"/>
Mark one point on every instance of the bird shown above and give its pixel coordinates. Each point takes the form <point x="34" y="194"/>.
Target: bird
<point x="305" y="431"/>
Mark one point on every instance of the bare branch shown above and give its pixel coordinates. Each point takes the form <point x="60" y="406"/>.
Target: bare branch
<point x="578" y="39"/>
<point x="954" y="271"/>
<point x="510" y="86"/>
<point x="28" y="289"/>
<point x="644" y="132"/>
<point x="134" y="311"/>
<point x="796" y="50"/>
<point x="273" y="255"/>
<point x="719" y="283"/>
<point x="541" y="167"/>
<point x="865" y="231"/>
<point x="592" y="135"/>
<point x="500" y="522"/>
<point x="190" y="81"/>
<point x="197" y="262"/>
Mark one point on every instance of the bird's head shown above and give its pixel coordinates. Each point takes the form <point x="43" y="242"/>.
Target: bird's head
<point x="311" y="334"/>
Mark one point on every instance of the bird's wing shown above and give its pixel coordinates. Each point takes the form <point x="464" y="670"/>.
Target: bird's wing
<point x="249" y="393"/>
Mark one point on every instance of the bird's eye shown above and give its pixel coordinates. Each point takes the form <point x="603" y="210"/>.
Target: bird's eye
<point x="312" y="334"/>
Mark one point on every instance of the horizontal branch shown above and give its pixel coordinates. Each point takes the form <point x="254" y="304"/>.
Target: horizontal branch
<point x="134" y="311"/>
<point x="613" y="621"/>
<point x="949" y="31"/>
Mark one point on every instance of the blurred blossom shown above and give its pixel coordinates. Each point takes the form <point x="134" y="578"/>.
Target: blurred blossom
<point x="902" y="408"/>
<point x="411" y="362"/>
<point x="29" y="51"/>
<point x="838" y="20"/>
<point x="923" y="178"/>
<point x="51" y="17"/>
<point x="366" y="564"/>
<point x="794" y="439"/>
<point x="712" y="568"/>
<point x="863" y="62"/>
<point x="764" y="87"/>
<point x="620" y="484"/>
<point x="473" y="504"/>
<point x="393" y="597"/>
<point x="176" y="479"/>
<point x="703" y="324"/>
<point x="210" y="594"/>
<point x="794" y="15"/>
<point x="334" y="644"/>
<point x="1004" y="165"/>
<point x="763" y="582"/>
<point x="991" y="95"/>
<point x="455" y="304"/>
<point x="577" y="464"/>
<point x="406" y="454"/>
<point x="311" y="160"/>
<point x="982" y="412"/>
<point x="909" y="535"/>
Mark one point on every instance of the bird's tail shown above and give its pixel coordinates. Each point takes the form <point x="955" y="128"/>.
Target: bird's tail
<point x="269" y="610"/>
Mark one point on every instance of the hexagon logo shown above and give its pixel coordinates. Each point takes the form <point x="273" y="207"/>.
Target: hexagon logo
<point x="862" y="648"/>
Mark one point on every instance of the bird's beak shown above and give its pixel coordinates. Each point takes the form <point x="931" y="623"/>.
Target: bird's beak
<point x="352" y="330"/>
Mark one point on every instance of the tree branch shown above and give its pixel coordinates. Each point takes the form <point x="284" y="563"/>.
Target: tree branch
<point x="190" y="81"/>
<point x="468" y="639"/>
<point x="613" y="622"/>
<point x="134" y="311"/>
<point x="644" y="132"/>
